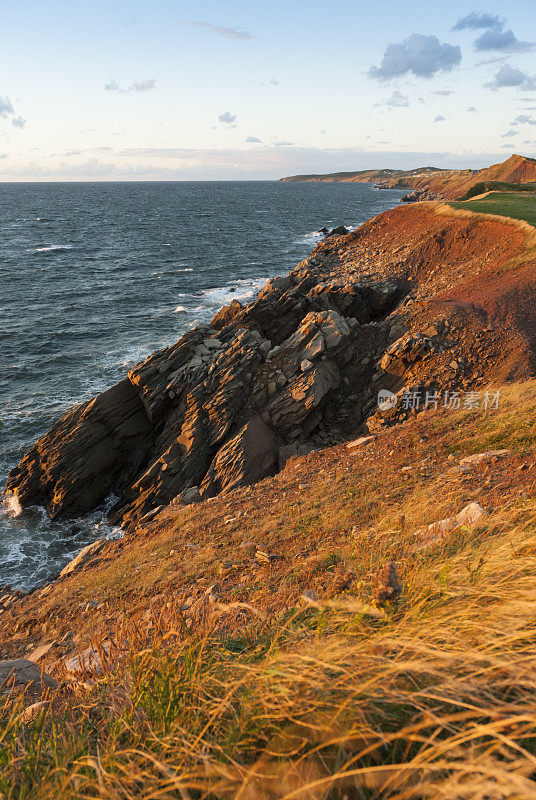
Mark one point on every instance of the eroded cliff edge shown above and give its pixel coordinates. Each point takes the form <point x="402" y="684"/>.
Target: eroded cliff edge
<point x="419" y="297"/>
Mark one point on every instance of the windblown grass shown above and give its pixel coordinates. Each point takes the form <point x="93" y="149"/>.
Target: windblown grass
<point x="435" y="699"/>
<point x="327" y="699"/>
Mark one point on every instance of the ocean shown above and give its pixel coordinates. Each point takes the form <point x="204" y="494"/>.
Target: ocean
<point x="96" y="276"/>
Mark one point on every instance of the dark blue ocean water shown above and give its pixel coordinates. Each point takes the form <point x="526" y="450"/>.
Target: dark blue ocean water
<point x="95" y="276"/>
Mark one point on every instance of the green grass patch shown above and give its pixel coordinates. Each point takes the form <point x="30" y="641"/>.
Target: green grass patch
<point x="505" y="204"/>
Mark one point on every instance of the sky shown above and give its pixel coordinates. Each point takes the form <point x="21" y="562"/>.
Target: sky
<point x="235" y="90"/>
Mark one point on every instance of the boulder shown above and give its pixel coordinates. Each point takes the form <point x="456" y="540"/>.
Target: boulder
<point x="84" y="557"/>
<point x="436" y="531"/>
<point x="92" y="659"/>
<point x="226" y="315"/>
<point x="21" y="672"/>
<point x="482" y="458"/>
<point x="363" y="440"/>
<point x="405" y="352"/>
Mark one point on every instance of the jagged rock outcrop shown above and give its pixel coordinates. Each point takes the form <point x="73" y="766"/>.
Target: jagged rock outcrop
<point x="223" y="407"/>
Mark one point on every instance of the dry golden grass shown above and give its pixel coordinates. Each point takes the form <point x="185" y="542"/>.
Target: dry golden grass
<point x="432" y="698"/>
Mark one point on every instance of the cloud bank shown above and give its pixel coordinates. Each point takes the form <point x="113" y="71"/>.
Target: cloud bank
<point x="264" y="162"/>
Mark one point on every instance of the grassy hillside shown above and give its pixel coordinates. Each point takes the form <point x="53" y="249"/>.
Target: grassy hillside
<point x="506" y="204"/>
<point x="274" y="694"/>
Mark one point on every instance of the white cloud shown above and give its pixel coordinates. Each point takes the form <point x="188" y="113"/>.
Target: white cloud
<point x="509" y="134"/>
<point x="253" y="140"/>
<point x="6" y="108"/>
<point x="397" y="100"/>
<point x="439" y="118"/>
<point x="505" y="41"/>
<point x="227" y="118"/>
<point x="472" y="109"/>
<point x="419" y="55"/>
<point x="137" y="86"/>
<point x="495" y="37"/>
<point x="221" y="30"/>
<point x="475" y="20"/>
<point x="508" y="76"/>
<point x="524" y="119"/>
<point x="142" y="86"/>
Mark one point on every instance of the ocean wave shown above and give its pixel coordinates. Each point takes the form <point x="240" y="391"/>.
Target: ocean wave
<point x="50" y="248"/>
<point x="180" y="310"/>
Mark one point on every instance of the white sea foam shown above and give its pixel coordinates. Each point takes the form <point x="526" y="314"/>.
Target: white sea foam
<point x="316" y="236"/>
<point x="11" y="506"/>
<point x="51" y="248"/>
<point x="242" y="290"/>
<point x="180" y="310"/>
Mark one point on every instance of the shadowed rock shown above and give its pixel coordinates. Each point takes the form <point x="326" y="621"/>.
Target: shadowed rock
<point x="21" y="672"/>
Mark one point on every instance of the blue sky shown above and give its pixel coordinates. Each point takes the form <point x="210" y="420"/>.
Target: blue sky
<point x="235" y="90"/>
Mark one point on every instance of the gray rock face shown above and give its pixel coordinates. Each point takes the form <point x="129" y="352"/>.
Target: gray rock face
<point x="217" y="409"/>
<point x="21" y="672"/>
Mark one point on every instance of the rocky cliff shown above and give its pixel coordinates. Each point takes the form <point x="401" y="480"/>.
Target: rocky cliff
<point x="419" y="298"/>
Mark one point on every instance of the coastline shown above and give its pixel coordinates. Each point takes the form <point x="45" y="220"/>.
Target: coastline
<point x="342" y="562"/>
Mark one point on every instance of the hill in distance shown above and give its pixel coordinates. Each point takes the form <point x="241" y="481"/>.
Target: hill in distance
<point x="450" y="184"/>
